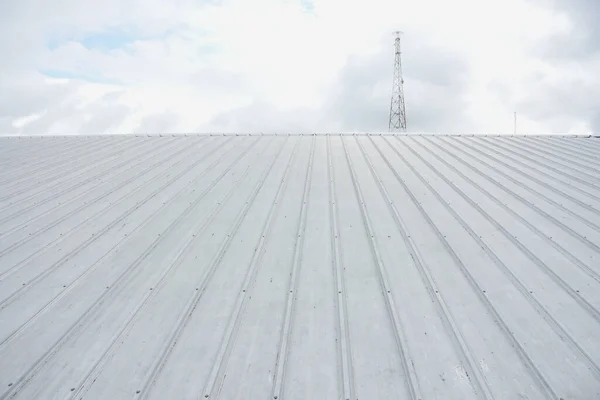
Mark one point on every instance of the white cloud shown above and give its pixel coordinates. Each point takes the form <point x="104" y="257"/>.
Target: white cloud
<point x="281" y="65"/>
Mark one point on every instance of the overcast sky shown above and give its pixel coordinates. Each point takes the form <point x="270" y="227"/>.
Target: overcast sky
<point x="83" y="66"/>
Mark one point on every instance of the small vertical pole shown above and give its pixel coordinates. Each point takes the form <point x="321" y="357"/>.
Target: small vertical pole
<point x="515" y="123"/>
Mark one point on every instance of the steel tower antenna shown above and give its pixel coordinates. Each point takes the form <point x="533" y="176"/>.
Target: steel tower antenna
<point x="397" y="109"/>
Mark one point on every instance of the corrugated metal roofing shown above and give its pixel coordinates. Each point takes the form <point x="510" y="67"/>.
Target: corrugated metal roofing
<point x="299" y="267"/>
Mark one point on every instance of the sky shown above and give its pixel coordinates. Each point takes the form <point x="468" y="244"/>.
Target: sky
<point x="150" y="66"/>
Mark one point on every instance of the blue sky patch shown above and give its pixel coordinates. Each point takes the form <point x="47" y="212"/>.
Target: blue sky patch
<point x="112" y="39"/>
<point x="62" y="74"/>
<point x="107" y="41"/>
<point x="308" y="5"/>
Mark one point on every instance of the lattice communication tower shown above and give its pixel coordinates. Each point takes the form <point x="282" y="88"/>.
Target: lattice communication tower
<point x="397" y="109"/>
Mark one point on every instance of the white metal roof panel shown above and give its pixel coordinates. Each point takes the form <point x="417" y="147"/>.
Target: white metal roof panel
<point x="295" y="267"/>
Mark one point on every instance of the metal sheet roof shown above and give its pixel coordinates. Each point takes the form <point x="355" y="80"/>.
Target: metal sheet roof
<point x="299" y="267"/>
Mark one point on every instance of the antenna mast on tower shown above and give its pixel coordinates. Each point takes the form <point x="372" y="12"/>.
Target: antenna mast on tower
<point x="397" y="109"/>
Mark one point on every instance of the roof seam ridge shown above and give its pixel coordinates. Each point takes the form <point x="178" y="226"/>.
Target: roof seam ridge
<point x="222" y="358"/>
<point x="40" y="157"/>
<point x="549" y="272"/>
<point x="540" y="309"/>
<point x="538" y="181"/>
<point x="539" y="149"/>
<point x="577" y="148"/>
<point x="473" y="370"/>
<point x="82" y="195"/>
<point x="401" y="341"/>
<point x="344" y="344"/>
<point x="70" y="180"/>
<point x="73" y="230"/>
<point x="496" y="259"/>
<point x="497" y="318"/>
<point x="151" y="378"/>
<point x="552" y="178"/>
<point x="544" y="165"/>
<point x="555" y="146"/>
<point x="524" y="221"/>
<point x="13" y="335"/>
<point x="543" y="266"/>
<point x="86" y="316"/>
<point x="81" y="160"/>
<point x="46" y="153"/>
<point x="85" y="385"/>
<point x="543" y="213"/>
<point x="288" y="320"/>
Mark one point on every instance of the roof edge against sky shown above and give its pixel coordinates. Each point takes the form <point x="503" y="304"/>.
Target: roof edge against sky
<point x="175" y="134"/>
